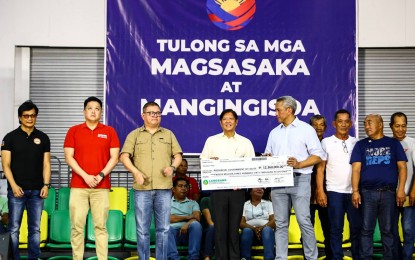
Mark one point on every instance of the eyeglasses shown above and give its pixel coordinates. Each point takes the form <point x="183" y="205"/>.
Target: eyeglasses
<point x="29" y="116"/>
<point x="345" y="147"/>
<point x="152" y="113"/>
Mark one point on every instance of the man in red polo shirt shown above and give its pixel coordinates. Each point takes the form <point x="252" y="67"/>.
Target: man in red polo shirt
<point x="91" y="150"/>
<point x="194" y="191"/>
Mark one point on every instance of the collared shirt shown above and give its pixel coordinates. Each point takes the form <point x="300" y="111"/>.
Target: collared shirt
<point x="182" y="208"/>
<point x="150" y="154"/>
<point x="338" y="169"/>
<point x="298" y="140"/>
<point x="258" y="215"/>
<point x="222" y="146"/>
<point x="27" y="155"/>
<point x="91" y="151"/>
<point x="408" y="144"/>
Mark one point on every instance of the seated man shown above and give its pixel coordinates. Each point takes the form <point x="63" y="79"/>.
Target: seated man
<point x="185" y="227"/>
<point x="257" y="225"/>
<point x="4" y="214"/>
<point x="181" y="172"/>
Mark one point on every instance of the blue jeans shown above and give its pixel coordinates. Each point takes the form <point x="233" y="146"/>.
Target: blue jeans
<point x="299" y="197"/>
<point x="33" y="203"/>
<point x="248" y="238"/>
<point x="208" y="249"/>
<point x="338" y="204"/>
<point x="408" y="229"/>
<point x="145" y="202"/>
<point x="379" y="205"/>
<point x="192" y="239"/>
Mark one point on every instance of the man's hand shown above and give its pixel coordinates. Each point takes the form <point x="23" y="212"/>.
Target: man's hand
<point x="293" y="163"/>
<point x="321" y="198"/>
<point x="356" y="200"/>
<point x="412" y="198"/>
<point x="98" y="178"/>
<point x="168" y="171"/>
<point x="17" y="191"/>
<point x="400" y="198"/>
<point x="185" y="227"/>
<point x="44" y="192"/>
<point x="139" y="178"/>
<point x="90" y="180"/>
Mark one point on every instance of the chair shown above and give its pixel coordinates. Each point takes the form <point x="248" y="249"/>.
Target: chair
<point x="131" y="233"/>
<point x="294" y="233"/>
<point x="95" y="258"/>
<point x="136" y="258"/>
<point x="118" y="199"/>
<point x="60" y="257"/>
<point x="115" y="228"/>
<point x="131" y="199"/>
<point x="60" y="230"/>
<point x="63" y="198"/>
<point x="320" y="235"/>
<point x="24" y="232"/>
<point x="130" y="230"/>
<point x="50" y="202"/>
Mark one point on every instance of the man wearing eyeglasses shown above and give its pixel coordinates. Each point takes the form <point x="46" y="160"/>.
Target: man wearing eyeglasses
<point x="91" y="150"/>
<point x="152" y="153"/>
<point x="336" y="193"/>
<point x="185" y="227"/>
<point x="398" y="124"/>
<point x="378" y="182"/>
<point x="25" y="156"/>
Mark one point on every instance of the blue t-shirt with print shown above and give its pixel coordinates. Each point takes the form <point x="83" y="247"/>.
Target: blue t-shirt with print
<point x="379" y="162"/>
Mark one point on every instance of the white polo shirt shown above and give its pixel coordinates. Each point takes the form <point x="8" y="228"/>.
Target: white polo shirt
<point x="408" y="144"/>
<point x="338" y="167"/>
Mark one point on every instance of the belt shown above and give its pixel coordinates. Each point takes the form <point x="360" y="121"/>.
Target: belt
<point x="297" y="174"/>
<point x="386" y="188"/>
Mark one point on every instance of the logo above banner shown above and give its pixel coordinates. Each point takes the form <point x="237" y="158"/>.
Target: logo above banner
<point x="232" y="14"/>
<point x="197" y="58"/>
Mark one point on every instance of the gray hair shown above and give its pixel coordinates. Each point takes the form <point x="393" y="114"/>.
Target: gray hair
<point x="289" y="102"/>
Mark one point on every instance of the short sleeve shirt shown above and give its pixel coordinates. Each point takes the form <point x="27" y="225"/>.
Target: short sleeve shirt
<point x="258" y="215"/>
<point x="91" y="151"/>
<point x="182" y="208"/>
<point x="27" y="155"/>
<point x="379" y="162"/>
<point x="150" y="154"/>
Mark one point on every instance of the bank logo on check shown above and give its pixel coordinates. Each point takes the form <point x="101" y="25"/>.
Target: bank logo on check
<point x="246" y="172"/>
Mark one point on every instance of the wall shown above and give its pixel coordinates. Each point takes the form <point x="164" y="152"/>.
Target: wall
<point x="80" y="23"/>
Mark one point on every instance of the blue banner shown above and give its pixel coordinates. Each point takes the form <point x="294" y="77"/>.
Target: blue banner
<point x="196" y="58"/>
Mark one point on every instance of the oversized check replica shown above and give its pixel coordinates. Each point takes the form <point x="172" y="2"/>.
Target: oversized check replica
<point x="246" y="172"/>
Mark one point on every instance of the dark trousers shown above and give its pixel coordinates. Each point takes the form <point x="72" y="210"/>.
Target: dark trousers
<point x="227" y="207"/>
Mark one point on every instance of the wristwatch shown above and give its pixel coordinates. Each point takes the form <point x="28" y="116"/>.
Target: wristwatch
<point x="47" y="185"/>
<point x="102" y="175"/>
<point x="174" y="168"/>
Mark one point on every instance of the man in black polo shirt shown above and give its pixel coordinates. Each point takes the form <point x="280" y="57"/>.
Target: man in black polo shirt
<point x="25" y="154"/>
